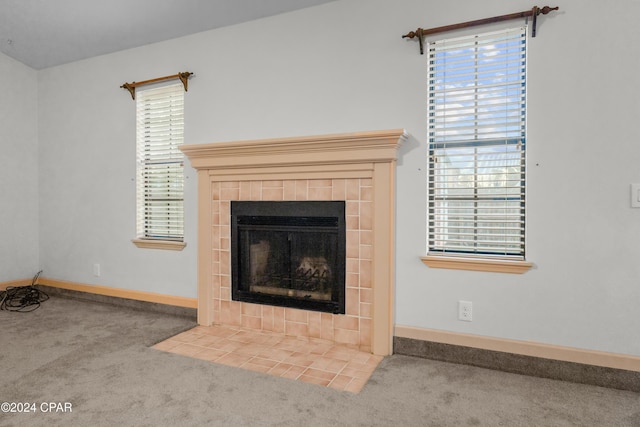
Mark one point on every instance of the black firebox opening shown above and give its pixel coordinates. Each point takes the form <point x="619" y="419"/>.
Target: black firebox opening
<point x="289" y="254"/>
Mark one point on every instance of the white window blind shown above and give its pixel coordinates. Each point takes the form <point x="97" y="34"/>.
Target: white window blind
<point x="160" y="164"/>
<point x="477" y="94"/>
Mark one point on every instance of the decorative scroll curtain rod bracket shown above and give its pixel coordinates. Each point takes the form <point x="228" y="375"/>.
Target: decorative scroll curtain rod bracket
<point x="183" y="77"/>
<point x="534" y="12"/>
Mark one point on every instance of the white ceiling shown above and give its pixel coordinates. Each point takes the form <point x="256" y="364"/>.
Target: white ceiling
<point x="46" y="33"/>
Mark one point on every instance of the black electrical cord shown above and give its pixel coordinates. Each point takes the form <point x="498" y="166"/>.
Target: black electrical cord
<point x="22" y="298"/>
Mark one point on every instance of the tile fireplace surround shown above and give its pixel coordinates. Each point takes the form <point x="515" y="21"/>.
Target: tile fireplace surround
<point x="358" y="168"/>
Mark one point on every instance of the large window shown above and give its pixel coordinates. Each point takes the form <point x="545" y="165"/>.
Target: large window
<point x="477" y="106"/>
<point x="160" y="163"/>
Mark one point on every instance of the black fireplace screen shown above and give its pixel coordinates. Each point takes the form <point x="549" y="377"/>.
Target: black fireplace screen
<point x="289" y="254"/>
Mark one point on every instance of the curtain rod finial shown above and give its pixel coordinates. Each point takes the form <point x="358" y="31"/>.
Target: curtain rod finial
<point x="131" y="88"/>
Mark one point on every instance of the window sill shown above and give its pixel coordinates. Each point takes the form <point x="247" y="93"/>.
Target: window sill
<point x="477" y="264"/>
<point x="159" y="244"/>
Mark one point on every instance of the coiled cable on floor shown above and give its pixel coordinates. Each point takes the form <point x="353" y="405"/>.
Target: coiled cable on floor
<point x="22" y="298"/>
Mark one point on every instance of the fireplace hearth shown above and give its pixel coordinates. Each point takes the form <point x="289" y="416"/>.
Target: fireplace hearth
<point x="289" y="254"/>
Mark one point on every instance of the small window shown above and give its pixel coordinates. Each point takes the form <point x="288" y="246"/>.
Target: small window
<point x="160" y="164"/>
<point x="476" y="183"/>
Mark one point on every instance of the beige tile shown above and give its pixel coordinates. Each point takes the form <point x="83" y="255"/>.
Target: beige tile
<point x="366" y="295"/>
<point x="205" y="340"/>
<point x="352" y="265"/>
<point x="302" y="187"/>
<point x="322" y="193"/>
<point x="352" y="244"/>
<point x="279" y="369"/>
<point x="200" y="329"/>
<point x="256" y="190"/>
<point x="319" y="347"/>
<point x="267" y="318"/>
<point x="366" y="193"/>
<point x="210" y="354"/>
<point x="289" y="190"/>
<point x="225" y="280"/>
<point x="254" y="310"/>
<point x="235" y="311"/>
<point x="366" y="252"/>
<point x="366" y="215"/>
<point x="230" y="193"/>
<point x="295" y="329"/>
<point x="272" y="184"/>
<point x="365" y="310"/>
<point x="313" y="380"/>
<point x="233" y="359"/>
<point x="339" y="189"/>
<point x="186" y="349"/>
<point x="225" y="261"/>
<point x="352" y="305"/>
<point x="225" y="243"/>
<point x="318" y="373"/>
<point x="167" y="345"/>
<point x="315" y="325"/>
<point x="320" y="183"/>
<point x="352" y="208"/>
<point x="225" y="293"/>
<point x="251" y="322"/>
<point x="276" y="354"/>
<point x="219" y="331"/>
<point x="339" y="353"/>
<point x="352" y="223"/>
<point x="340" y="382"/>
<point x="326" y="332"/>
<point x="278" y="320"/>
<point x="227" y="346"/>
<point x="294" y="372"/>
<point x="254" y="367"/>
<point x="365" y="332"/>
<point x="346" y="336"/>
<point x="245" y="190"/>
<point x="352" y="280"/>
<point x="295" y="315"/>
<point x="225" y="212"/>
<point x="329" y="365"/>
<point x="216" y="232"/>
<point x="187" y="336"/>
<point x="275" y="194"/>
<point x="346" y="322"/>
<point x="365" y="273"/>
<point x="268" y="363"/>
<point x="356" y="385"/>
<point x="300" y="359"/>
<point x="353" y="189"/>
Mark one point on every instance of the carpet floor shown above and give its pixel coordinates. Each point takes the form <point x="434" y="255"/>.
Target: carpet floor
<point x="79" y="363"/>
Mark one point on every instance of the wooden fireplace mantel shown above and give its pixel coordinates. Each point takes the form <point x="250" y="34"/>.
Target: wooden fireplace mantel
<point x="369" y="155"/>
<point x="341" y="149"/>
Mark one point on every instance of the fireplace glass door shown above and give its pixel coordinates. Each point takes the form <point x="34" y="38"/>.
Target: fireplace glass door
<point x="289" y="254"/>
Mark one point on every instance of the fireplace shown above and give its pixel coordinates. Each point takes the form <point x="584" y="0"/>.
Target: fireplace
<point x="289" y="254"/>
<point x="353" y="169"/>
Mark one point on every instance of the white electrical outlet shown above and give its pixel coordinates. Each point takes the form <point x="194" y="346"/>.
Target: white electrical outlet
<point x="96" y="270"/>
<point x="465" y="311"/>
